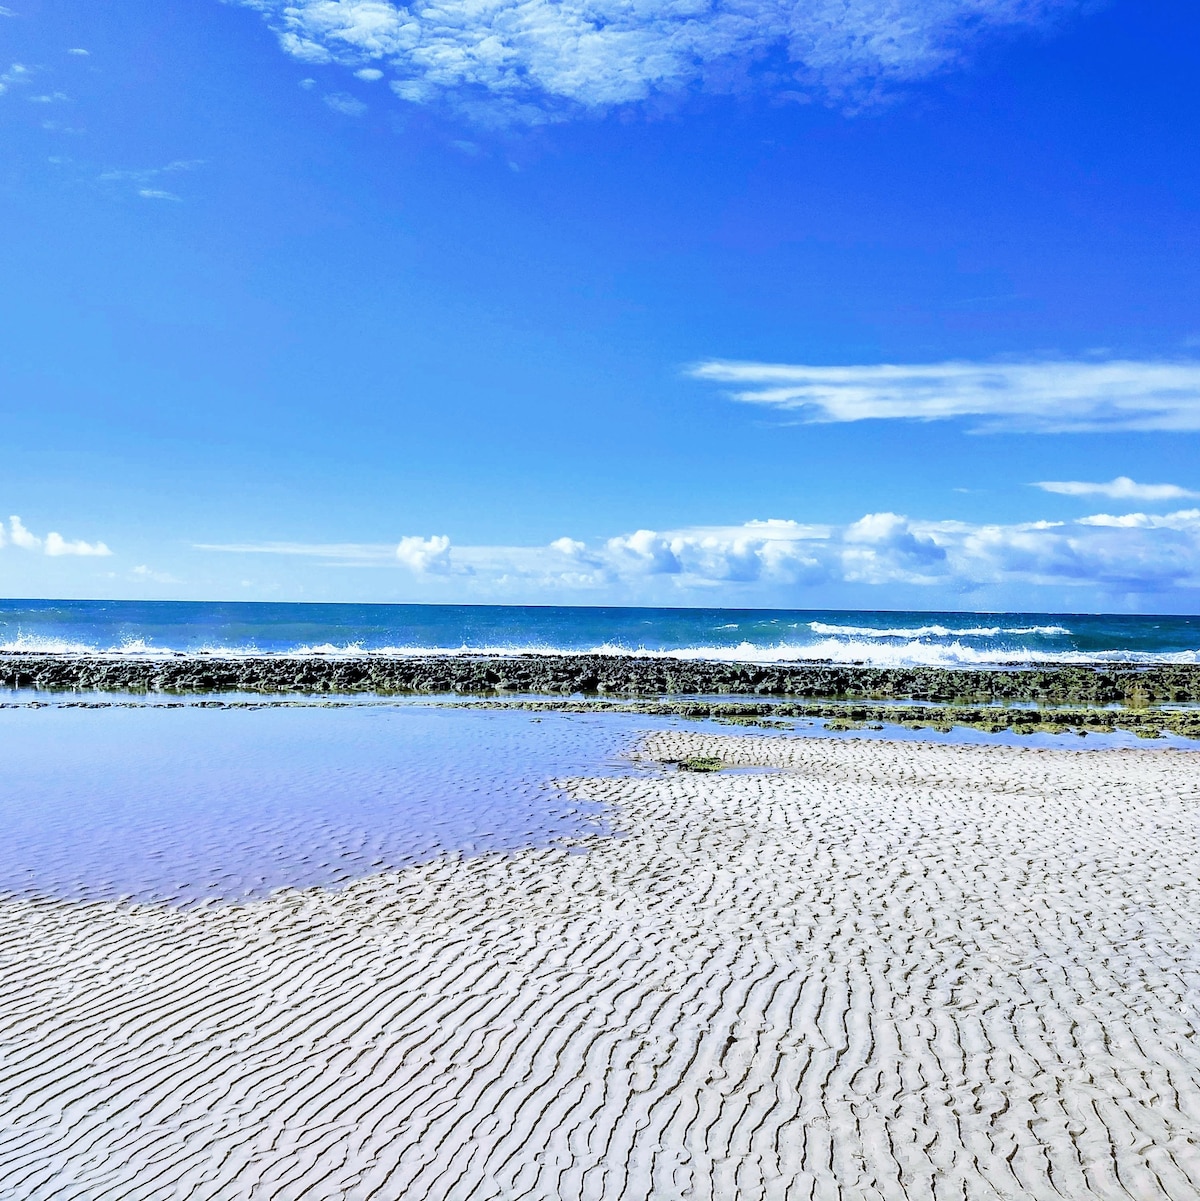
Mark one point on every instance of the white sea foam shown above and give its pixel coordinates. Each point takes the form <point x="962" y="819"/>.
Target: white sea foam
<point x="138" y="647"/>
<point x="933" y="631"/>
<point x="39" y="644"/>
<point x="329" y="650"/>
<point x="911" y="654"/>
<point x="871" y="650"/>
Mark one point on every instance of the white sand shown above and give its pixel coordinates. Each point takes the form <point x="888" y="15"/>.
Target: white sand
<point x="896" y="971"/>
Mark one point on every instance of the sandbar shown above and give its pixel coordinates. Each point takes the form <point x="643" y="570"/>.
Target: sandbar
<point x="870" y="970"/>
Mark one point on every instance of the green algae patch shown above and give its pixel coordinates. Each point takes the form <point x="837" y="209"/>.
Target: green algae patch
<point x="701" y="763"/>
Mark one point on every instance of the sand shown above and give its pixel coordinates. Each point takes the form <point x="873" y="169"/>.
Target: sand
<point x="890" y="970"/>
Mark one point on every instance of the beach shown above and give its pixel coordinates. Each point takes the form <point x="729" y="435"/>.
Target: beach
<point x="835" y="969"/>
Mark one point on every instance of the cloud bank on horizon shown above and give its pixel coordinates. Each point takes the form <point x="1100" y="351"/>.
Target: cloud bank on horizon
<point x="537" y="60"/>
<point x="1035" y="396"/>
<point x="1131" y="552"/>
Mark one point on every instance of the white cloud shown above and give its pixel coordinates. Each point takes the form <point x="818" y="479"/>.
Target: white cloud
<point x="57" y="545"/>
<point x="17" y="74"/>
<point x="885" y="547"/>
<point x="159" y="577"/>
<point x="21" y="536"/>
<point x="1184" y="519"/>
<point x="759" y="549"/>
<point x="347" y="105"/>
<point x="425" y="554"/>
<point x="1046" y="396"/>
<point x="539" y="58"/>
<point x="1134" y="552"/>
<point x="147" y="180"/>
<point x="355" y="552"/>
<point x="1122" y="488"/>
<point x="54" y="544"/>
<point x="79" y="50"/>
<point x="148" y="174"/>
<point x="370" y="74"/>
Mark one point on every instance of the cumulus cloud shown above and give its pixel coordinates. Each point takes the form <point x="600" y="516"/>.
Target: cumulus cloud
<point x="57" y="545"/>
<point x="54" y="544"/>
<point x="1047" y="396"/>
<point x="775" y="550"/>
<point x="425" y="554"/>
<point x="534" y="59"/>
<point x="884" y="548"/>
<point x="21" y="537"/>
<point x="1122" y="488"/>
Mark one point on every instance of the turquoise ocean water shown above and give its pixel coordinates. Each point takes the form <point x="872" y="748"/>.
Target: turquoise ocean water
<point x="751" y="635"/>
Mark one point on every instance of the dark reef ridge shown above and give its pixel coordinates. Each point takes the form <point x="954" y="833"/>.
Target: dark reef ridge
<point x="1130" y="685"/>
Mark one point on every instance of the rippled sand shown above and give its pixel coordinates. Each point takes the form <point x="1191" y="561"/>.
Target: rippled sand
<point x="889" y="971"/>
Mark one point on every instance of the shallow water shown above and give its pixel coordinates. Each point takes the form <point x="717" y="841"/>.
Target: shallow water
<point x="177" y="801"/>
<point x="188" y="804"/>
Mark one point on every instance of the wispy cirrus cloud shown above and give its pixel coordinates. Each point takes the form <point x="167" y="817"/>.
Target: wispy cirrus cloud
<point x="535" y="60"/>
<point x="147" y="181"/>
<point x="53" y="544"/>
<point x="365" y="552"/>
<point x="1122" y="488"/>
<point x="1133" y="552"/>
<point x="1034" y="396"/>
<point x="16" y="75"/>
<point x="344" y="103"/>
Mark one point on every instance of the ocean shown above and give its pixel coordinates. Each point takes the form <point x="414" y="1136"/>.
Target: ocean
<point x="150" y="628"/>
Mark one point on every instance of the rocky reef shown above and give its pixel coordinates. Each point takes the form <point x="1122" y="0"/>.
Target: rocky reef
<point x="1091" y="685"/>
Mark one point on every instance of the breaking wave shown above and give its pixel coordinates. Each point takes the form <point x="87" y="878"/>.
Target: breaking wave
<point x="936" y="631"/>
<point x="873" y="651"/>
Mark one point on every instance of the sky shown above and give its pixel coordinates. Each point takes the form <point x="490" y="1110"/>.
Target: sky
<point x="829" y="303"/>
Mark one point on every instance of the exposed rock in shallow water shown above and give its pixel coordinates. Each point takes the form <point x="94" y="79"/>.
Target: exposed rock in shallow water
<point x="614" y="675"/>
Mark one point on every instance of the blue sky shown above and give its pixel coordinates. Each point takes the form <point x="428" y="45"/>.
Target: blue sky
<point x="751" y="304"/>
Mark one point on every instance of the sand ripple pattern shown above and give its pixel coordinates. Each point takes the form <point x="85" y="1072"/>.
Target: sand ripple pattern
<point x="888" y="971"/>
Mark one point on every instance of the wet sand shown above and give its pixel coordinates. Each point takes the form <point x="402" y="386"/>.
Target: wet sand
<point x="887" y="970"/>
